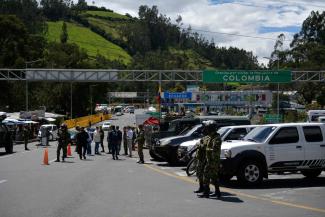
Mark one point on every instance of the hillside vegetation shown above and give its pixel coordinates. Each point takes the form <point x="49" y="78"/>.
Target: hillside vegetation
<point x="93" y="43"/>
<point x="106" y="14"/>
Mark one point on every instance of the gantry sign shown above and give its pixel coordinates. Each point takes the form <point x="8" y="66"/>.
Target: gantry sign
<point x="247" y="76"/>
<point x="112" y="75"/>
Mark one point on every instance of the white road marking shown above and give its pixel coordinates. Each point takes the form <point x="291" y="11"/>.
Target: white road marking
<point x="3" y="181"/>
<point x="182" y="174"/>
<point x="51" y="161"/>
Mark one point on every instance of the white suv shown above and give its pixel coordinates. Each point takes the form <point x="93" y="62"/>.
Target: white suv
<point x="275" y="148"/>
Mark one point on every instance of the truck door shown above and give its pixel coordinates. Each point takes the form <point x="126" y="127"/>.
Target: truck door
<point x="285" y="150"/>
<point x="314" y="147"/>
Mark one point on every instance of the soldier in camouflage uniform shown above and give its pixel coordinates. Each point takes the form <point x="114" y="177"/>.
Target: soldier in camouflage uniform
<point x="201" y="161"/>
<point x="211" y="168"/>
<point x="140" y="140"/>
<point x="63" y="141"/>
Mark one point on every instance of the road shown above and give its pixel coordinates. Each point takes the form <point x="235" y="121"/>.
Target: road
<point x="101" y="186"/>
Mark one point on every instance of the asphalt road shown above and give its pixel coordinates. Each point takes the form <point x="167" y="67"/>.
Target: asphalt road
<point x="101" y="186"/>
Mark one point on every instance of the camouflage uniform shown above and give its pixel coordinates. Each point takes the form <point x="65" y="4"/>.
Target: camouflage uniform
<point x="211" y="169"/>
<point x="201" y="161"/>
<point x="63" y="141"/>
<point x="140" y="140"/>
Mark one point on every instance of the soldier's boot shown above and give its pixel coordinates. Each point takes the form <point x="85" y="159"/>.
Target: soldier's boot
<point x="200" y="190"/>
<point x="57" y="158"/>
<point x="206" y="192"/>
<point x="217" y="192"/>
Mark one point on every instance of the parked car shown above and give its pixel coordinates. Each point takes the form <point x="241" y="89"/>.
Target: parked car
<point x="53" y="129"/>
<point x="106" y="125"/>
<point x="226" y="133"/>
<point x="275" y="148"/>
<point x="166" y="148"/>
<point x="177" y="126"/>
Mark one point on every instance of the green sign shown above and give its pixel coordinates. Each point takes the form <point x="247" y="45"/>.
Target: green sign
<point x="247" y="76"/>
<point x="271" y="119"/>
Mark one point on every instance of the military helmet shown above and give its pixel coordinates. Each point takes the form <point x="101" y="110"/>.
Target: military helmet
<point x="210" y="126"/>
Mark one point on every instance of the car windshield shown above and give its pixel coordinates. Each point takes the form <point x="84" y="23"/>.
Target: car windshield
<point x="223" y="130"/>
<point x="259" y="134"/>
<point x="190" y="131"/>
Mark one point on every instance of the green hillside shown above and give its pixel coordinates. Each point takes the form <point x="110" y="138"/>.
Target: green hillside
<point x="110" y="27"/>
<point x="90" y="41"/>
<point x="106" y="14"/>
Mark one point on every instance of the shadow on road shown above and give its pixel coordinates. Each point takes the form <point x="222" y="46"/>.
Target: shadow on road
<point x="4" y="153"/>
<point x="168" y="165"/>
<point x="281" y="183"/>
<point x="227" y="197"/>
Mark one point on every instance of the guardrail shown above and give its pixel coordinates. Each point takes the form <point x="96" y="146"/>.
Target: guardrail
<point x="87" y="120"/>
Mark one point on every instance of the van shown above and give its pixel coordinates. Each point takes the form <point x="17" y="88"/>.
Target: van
<point x="313" y="115"/>
<point x="53" y="129"/>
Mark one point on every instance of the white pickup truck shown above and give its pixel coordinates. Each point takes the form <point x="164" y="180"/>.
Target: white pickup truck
<point x="275" y="148"/>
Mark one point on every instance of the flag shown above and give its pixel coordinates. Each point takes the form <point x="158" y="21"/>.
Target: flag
<point x="159" y="95"/>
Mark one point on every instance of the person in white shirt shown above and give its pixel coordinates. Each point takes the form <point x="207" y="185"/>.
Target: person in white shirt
<point x="97" y="140"/>
<point x="129" y="136"/>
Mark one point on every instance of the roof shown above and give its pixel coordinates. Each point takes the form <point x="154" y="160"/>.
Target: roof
<point x="294" y="124"/>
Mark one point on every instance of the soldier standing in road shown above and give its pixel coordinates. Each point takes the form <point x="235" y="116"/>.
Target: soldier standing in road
<point x="82" y="140"/>
<point x="63" y="141"/>
<point x="26" y="137"/>
<point x="211" y="168"/>
<point x="113" y="139"/>
<point x="140" y="141"/>
<point x="201" y="161"/>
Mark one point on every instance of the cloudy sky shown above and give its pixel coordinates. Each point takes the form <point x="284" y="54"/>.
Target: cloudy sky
<point x="262" y="19"/>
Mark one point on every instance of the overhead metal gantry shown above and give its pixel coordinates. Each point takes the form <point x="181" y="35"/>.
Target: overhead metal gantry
<point x="112" y="75"/>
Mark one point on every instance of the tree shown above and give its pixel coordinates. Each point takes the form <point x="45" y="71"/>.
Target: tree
<point x="27" y="11"/>
<point x="13" y="40"/>
<point x="64" y="34"/>
<point x="56" y="9"/>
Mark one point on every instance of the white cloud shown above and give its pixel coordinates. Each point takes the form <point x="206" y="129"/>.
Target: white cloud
<point x="243" y="17"/>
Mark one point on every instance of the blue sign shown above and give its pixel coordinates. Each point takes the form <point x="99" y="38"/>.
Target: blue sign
<point x="178" y="95"/>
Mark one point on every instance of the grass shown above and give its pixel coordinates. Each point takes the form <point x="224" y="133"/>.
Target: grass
<point x="108" y="27"/>
<point x="194" y="60"/>
<point x="90" y="41"/>
<point x="107" y="14"/>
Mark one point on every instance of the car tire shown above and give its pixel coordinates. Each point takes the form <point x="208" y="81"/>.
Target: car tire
<point x="250" y="173"/>
<point x="191" y="167"/>
<point x="311" y="173"/>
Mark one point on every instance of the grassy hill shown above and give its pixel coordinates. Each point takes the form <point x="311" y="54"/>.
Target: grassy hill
<point x="90" y="41"/>
<point x="106" y="14"/>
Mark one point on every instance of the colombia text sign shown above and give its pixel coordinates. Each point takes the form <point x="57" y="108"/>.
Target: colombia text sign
<point x="247" y="76"/>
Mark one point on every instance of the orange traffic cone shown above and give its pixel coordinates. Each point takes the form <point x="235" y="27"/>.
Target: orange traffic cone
<point x="69" y="150"/>
<point x="46" y="157"/>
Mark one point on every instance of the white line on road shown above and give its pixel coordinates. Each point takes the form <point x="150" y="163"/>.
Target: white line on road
<point x="183" y="174"/>
<point x="3" y="181"/>
<point x="51" y="161"/>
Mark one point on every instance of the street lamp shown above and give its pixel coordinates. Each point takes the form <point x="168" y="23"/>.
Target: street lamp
<point x="278" y="96"/>
<point x="26" y="65"/>
<point x="91" y="98"/>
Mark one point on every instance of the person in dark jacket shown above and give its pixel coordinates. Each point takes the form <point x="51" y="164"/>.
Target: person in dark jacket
<point x="26" y="137"/>
<point x="125" y="141"/>
<point x="119" y="133"/>
<point x="113" y="139"/>
<point x="82" y="141"/>
<point x="102" y="135"/>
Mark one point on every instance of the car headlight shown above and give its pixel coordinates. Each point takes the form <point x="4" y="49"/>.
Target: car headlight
<point x="227" y="153"/>
<point x="182" y="150"/>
